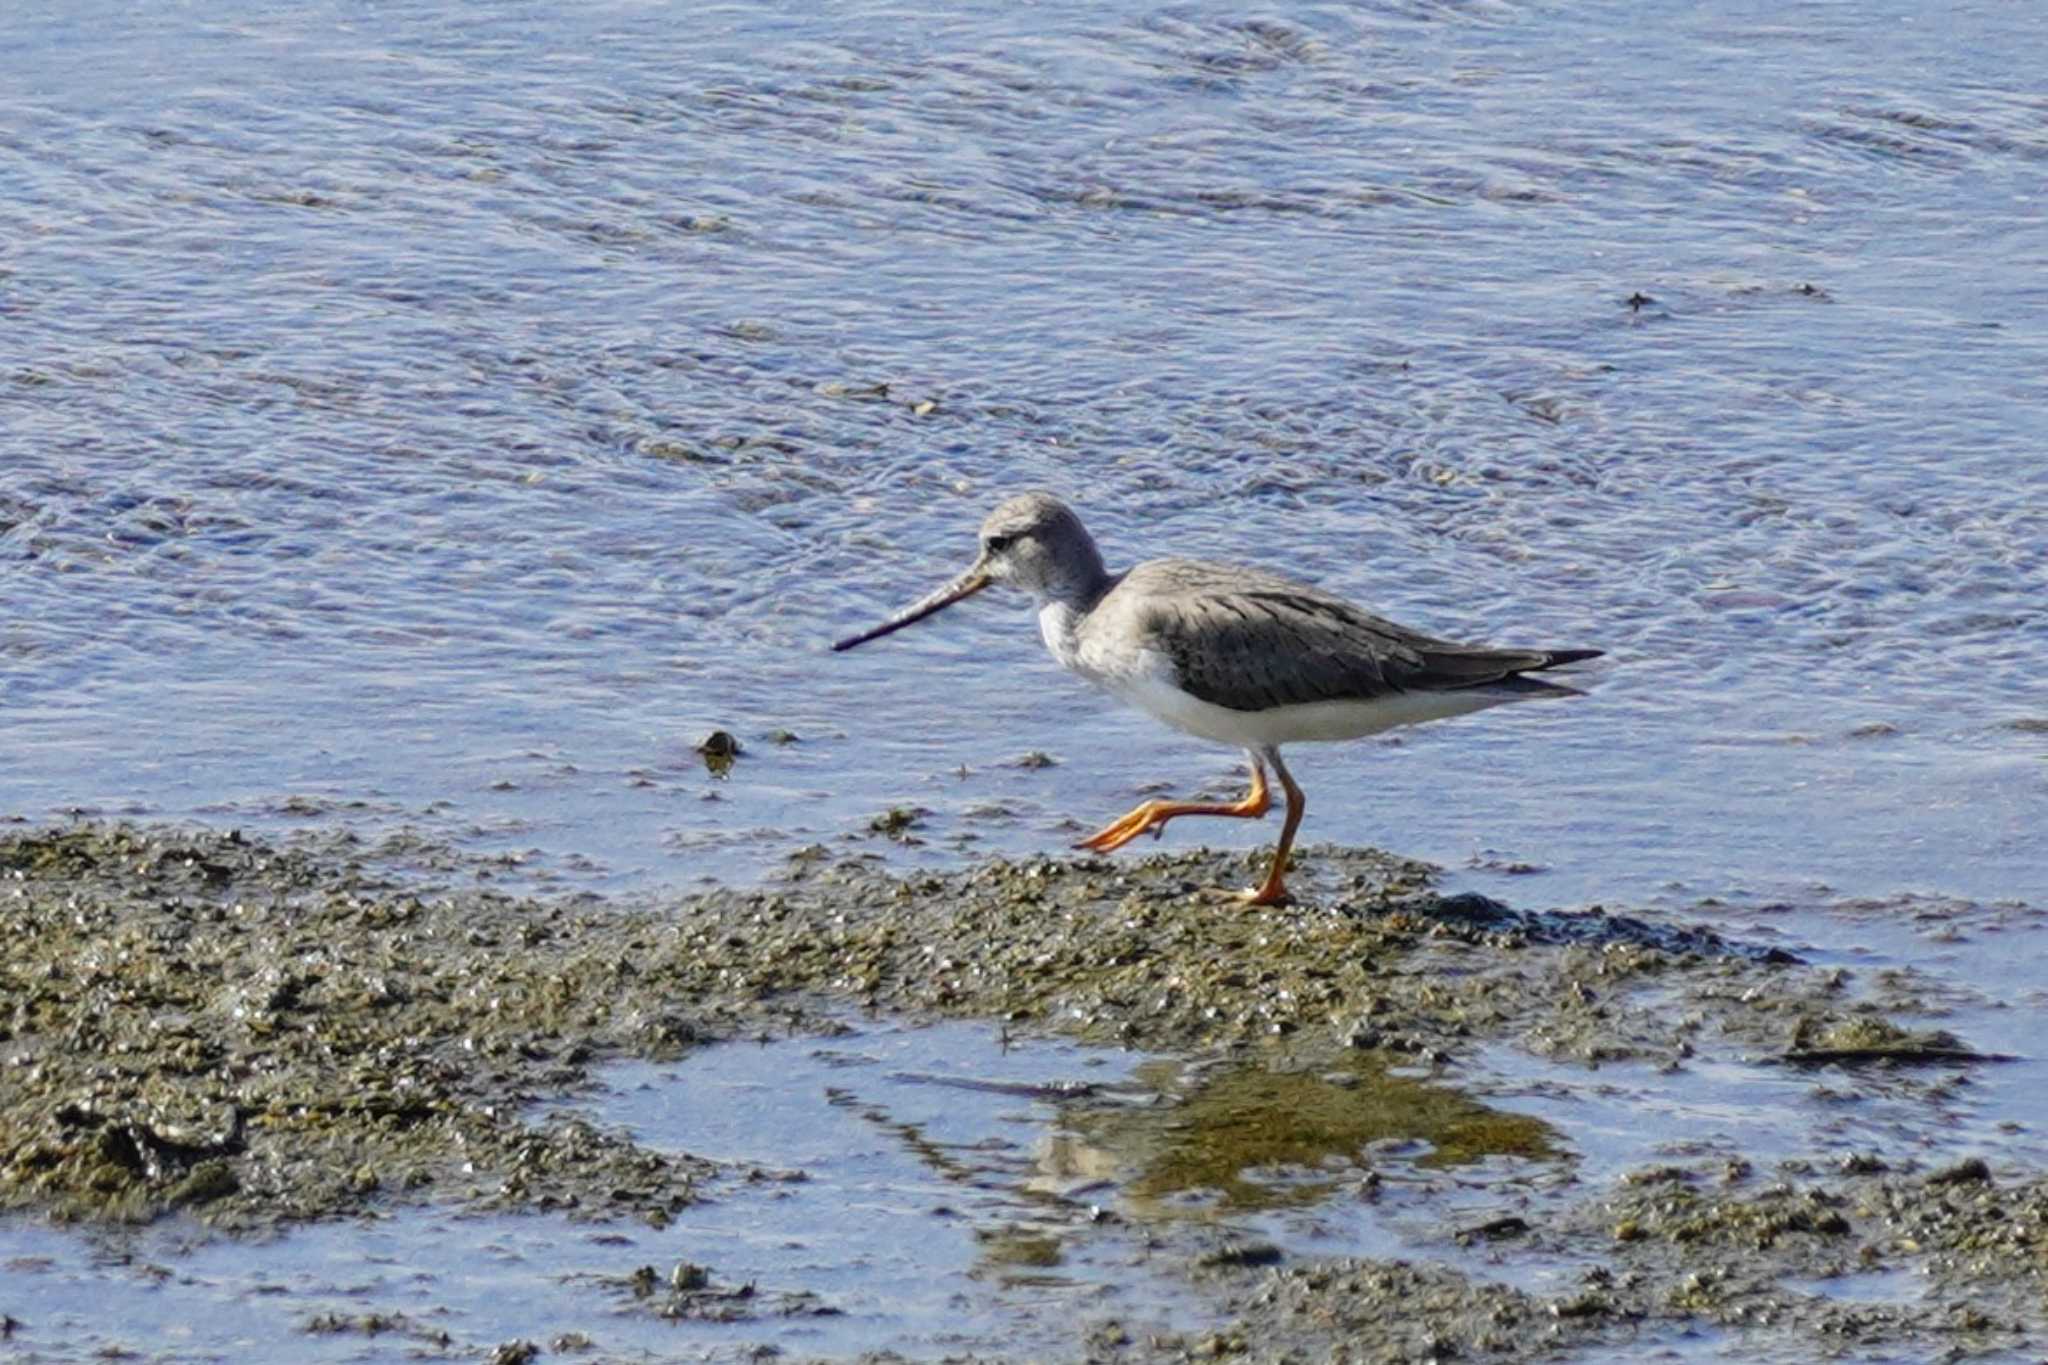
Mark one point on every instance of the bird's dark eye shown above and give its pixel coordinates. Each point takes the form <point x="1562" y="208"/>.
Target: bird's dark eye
<point x="997" y="544"/>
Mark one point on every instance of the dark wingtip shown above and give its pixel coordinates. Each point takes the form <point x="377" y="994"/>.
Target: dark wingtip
<point x="1556" y="658"/>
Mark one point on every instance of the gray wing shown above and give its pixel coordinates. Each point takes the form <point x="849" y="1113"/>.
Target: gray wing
<point x="1249" y="640"/>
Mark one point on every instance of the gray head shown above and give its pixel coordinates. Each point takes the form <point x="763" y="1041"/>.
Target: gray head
<point x="1032" y="541"/>
<point x="1035" y="542"/>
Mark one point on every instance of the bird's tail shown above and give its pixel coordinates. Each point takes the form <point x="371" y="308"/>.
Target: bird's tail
<point x="1520" y="686"/>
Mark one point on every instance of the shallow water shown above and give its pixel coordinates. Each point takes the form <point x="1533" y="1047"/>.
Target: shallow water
<point x="928" y="1191"/>
<point x="870" y="1208"/>
<point x="447" y="419"/>
<point x="923" y="1191"/>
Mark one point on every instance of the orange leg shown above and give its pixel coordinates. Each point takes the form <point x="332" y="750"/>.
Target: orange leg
<point x="1153" y="815"/>
<point x="1273" y="891"/>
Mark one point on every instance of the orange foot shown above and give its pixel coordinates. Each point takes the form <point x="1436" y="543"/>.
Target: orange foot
<point x="1273" y="891"/>
<point x="1151" y="817"/>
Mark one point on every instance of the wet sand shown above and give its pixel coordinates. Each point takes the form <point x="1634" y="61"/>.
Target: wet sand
<point x="254" y="1037"/>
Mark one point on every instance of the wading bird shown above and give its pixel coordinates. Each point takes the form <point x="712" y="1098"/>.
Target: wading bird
<point x="1231" y="654"/>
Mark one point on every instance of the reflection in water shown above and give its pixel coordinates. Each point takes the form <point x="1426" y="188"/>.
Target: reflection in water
<point x="1253" y="1138"/>
<point x="1016" y="1157"/>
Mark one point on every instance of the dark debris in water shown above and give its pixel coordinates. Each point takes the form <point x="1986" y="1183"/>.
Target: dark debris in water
<point x="1896" y="1056"/>
<point x="719" y="750"/>
<point x="1596" y="927"/>
<point x="897" y="821"/>
<point x="1867" y="1039"/>
<point x="689" y="1294"/>
<point x="375" y="1324"/>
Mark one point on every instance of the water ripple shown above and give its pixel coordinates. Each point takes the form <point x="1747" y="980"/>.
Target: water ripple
<point x="385" y="402"/>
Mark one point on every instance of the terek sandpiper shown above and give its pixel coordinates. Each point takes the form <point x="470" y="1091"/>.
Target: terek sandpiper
<point x="1231" y="654"/>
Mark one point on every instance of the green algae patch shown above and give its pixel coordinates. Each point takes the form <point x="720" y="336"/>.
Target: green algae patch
<point x="1250" y="1137"/>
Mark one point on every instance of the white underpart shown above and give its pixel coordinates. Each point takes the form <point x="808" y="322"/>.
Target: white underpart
<point x="1145" y="679"/>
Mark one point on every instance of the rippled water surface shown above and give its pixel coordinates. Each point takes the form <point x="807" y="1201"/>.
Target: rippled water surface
<point x="446" y="415"/>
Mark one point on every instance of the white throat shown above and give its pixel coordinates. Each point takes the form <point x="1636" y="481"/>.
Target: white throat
<point x="1060" y="624"/>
